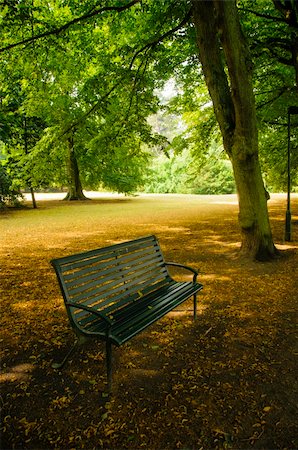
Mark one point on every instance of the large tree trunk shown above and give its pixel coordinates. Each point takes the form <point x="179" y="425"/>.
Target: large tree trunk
<point x="218" y="28"/>
<point x="75" y="191"/>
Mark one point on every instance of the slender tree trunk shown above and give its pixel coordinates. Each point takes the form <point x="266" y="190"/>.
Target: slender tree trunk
<point x="218" y="28"/>
<point x="34" y="204"/>
<point x="75" y="191"/>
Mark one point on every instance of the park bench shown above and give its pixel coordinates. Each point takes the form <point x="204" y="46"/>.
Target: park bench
<point x="115" y="292"/>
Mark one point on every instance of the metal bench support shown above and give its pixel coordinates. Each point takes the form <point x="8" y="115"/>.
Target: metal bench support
<point x="62" y="363"/>
<point x="195" y="306"/>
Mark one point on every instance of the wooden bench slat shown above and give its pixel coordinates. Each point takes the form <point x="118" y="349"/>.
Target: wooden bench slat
<point x="114" y="272"/>
<point x="111" y="286"/>
<point x="108" y="264"/>
<point x="159" y="302"/>
<point x="158" y="299"/>
<point x="106" y="268"/>
<point x="125" y="328"/>
<point x="84" y="259"/>
<point x="136" y="296"/>
<point x="104" y="295"/>
<point x="120" y="302"/>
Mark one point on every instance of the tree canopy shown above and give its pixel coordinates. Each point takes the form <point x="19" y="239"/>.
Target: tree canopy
<point x="81" y="80"/>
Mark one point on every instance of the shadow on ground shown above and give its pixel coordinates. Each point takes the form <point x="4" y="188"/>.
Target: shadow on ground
<point x="227" y="380"/>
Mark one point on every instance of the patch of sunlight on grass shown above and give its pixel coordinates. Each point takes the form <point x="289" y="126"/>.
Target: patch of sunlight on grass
<point x="216" y="277"/>
<point x="285" y="246"/>
<point x="23" y="305"/>
<point x="21" y="372"/>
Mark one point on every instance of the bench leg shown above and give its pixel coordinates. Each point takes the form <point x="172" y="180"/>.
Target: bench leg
<point x="195" y="306"/>
<point x="62" y="363"/>
<point x="109" y="364"/>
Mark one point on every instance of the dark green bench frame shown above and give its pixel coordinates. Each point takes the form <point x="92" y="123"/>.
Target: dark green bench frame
<point x="115" y="292"/>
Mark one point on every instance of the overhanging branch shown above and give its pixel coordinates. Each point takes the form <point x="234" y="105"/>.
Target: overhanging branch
<point x="58" y="30"/>
<point x="159" y="39"/>
<point x="96" y="105"/>
<point x="264" y="16"/>
<point x="287" y="11"/>
<point x="273" y="99"/>
<point x="146" y="48"/>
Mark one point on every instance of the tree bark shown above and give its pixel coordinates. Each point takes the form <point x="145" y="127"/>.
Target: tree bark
<point x="227" y="69"/>
<point x="34" y="204"/>
<point x="75" y="191"/>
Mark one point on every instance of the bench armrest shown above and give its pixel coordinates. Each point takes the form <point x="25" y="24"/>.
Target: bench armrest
<point x="91" y="310"/>
<point x="194" y="271"/>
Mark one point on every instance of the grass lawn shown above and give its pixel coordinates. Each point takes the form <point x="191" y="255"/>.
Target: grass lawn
<point x="228" y="380"/>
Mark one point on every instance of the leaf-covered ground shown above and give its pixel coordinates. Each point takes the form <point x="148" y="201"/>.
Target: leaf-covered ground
<point x="228" y="380"/>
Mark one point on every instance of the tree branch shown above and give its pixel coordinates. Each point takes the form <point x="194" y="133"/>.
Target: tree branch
<point x="159" y="39"/>
<point x="58" y="30"/>
<point x="91" y="110"/>
<point x="264" y="16"/>
<point x="288" y="13"/>
<point x="145" y="48"/>
<point x="273" y="99"/>
<point x="283" y="43"/>
<point x="279" y="6"/>
<point x="150" y="45"/>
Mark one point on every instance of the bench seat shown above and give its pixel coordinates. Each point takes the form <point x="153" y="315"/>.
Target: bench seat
<point x="136" y="316"/>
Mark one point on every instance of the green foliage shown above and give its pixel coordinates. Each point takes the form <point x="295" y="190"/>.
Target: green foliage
<point x="193" y="160"/>
<point x="272" y="34"/>
<point x="182" y="173"/>
<point x="121" y="163"/>
<point x="216" y="177"/>
<point x="204" y="166"/>
<point x="94" y="80"/>
<point x="168" y="175"/>
<point x="273" y="155"/>
<point x="79" y="88"/>
<point x="8" y="195"/>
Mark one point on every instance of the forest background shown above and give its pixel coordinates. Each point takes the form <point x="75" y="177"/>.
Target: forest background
<point x="83" y="100"/>
<point x="85" y="104"/>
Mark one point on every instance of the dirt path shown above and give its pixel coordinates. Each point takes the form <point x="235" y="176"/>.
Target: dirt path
<point x="226" y="381"/>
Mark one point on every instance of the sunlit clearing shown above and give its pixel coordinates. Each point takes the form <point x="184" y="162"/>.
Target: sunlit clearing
<point x="286" y="246"/>
<point x="23" y="305"/>
<point x="21" y="372"/>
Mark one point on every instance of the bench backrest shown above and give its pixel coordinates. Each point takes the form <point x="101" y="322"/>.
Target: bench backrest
<point x="108" y="278"/>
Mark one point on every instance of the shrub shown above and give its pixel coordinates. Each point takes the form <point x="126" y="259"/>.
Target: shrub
<point x="184" y="175"/>
<point x="8" y="195"/>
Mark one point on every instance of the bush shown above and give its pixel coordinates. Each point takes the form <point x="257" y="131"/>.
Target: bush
<point x="168" y="175"/>
<point x="215" y="178"/>
<point x="184" y="175"/>
<point x="8" y="195"/>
